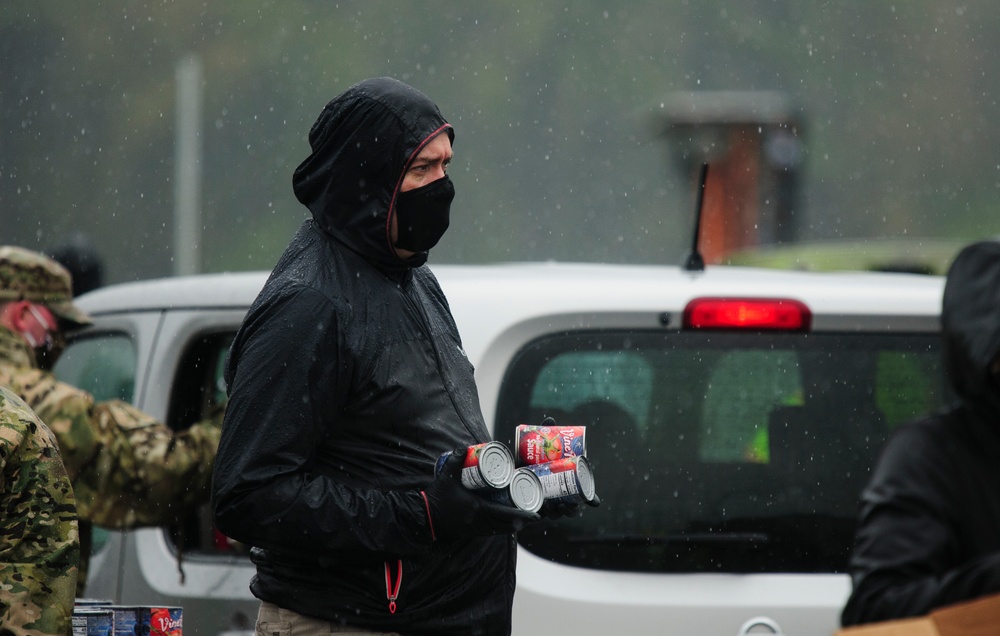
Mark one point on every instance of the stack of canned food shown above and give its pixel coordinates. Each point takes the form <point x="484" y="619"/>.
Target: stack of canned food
<point x="95" y="617"/>
<point x="551" y="465"/>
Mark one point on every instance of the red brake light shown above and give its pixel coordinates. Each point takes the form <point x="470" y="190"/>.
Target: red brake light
<point x="782" y="314"/>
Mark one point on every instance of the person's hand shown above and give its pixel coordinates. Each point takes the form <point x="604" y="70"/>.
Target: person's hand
<point x="455" y="511"/>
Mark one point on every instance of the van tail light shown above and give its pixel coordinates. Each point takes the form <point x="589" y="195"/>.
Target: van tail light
<point x="773" y="314"/>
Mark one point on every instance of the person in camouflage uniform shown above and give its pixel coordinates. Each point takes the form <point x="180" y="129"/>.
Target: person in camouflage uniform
<point x="39" y="541"/>
<point x="127" y="468"/>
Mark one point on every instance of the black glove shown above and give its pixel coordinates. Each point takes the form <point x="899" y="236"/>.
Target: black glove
<point x="555" y="510"/>
<point x="455" y="511"/>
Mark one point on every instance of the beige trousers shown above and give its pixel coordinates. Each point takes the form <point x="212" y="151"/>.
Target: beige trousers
<point x="275" y="621"/>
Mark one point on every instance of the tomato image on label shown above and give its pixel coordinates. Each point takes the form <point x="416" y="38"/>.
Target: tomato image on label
<point x="541" y="444"/>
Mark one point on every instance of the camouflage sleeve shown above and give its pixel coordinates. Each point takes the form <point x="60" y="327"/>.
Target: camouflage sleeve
<point x="89" y="445"/>
<point x="40" y="548"/>
<point x="64" y="409"/>
<point x="128" y="469"/>
<point x="160" y="474"/>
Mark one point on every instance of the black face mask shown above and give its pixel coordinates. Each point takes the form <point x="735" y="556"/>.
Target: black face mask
<point x="422" y="215"/>
<point x="48" y="351"/>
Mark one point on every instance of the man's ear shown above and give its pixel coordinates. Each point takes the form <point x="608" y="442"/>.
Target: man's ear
<point x="14" y="314"/>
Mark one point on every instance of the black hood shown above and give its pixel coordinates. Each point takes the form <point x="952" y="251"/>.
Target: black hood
<point x="362" y="144"/>
<point x="970" y="321"/>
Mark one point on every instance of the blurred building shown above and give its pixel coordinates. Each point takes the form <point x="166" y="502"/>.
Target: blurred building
<point x="752" y="142"/>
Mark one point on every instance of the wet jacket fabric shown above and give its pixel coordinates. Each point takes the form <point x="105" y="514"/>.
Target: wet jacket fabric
<point x="347" y="381"/>
<point x="127" y="468"/>
<point x="39" y="541"/>
<point x="929" y="532"/>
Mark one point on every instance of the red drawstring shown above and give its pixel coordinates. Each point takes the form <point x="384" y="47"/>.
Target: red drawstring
<point x="391" y="592"/>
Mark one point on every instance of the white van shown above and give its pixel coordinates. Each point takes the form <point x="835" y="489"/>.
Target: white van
<point x="733" y="416"/>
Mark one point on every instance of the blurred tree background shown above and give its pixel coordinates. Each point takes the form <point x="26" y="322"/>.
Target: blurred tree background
<point x="552" y="102"/>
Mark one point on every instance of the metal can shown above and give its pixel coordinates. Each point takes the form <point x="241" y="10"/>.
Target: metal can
<point x="93" y="620"/>
<point x="567" y="479"/>
<point x="487" y="465"/>
<point x="162" y="621"/>
<point x="90" y="602"/>
<point x="128" y="621"/>
<point x="541" y="444"/>
<point x="525" y="491"/>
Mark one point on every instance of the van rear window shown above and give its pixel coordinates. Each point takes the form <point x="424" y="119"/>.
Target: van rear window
<point x="720" y="452"/>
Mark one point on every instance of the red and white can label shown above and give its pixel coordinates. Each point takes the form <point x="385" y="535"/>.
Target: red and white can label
<point x="487" y="465"/>
<point x="541" y="444"/>
<point x="567" y="479"/>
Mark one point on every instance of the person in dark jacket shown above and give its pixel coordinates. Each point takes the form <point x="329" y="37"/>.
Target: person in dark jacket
<point x="347" y="381"/>
<point x="929" y="529"/>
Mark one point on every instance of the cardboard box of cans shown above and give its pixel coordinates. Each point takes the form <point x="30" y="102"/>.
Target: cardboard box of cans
<point x="94" y="617"/>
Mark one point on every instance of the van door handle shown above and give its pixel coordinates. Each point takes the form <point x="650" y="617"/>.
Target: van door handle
<point x="750" y="626"/>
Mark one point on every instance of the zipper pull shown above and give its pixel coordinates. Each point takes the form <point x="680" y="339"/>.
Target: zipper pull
<point x="392" y="591"/>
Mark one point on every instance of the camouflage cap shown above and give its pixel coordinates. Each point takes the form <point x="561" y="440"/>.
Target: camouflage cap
<point x="27" y="275"/>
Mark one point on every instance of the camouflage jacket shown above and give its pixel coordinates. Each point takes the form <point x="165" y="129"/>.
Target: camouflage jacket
<point x="127" y="468"/>
<point x="39" y="542"/>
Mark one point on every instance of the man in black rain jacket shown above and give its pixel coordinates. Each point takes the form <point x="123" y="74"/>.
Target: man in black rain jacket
<point x="347" y="381"/>
<point x="929" y="532"/>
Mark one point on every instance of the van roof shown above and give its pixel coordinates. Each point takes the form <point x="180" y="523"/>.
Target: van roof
<point x="547" y="287"/>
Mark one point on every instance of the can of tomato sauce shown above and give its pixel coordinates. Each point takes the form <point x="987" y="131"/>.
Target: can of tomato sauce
<point x="524" y="491"/>
<point x="93" y="620"/>
<point x="487" y="465"/>
<point x="568" y="479"/>
<point x="541" y="444"/>
<point x="128" y="621"/>
<point x="163" y="621"/>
